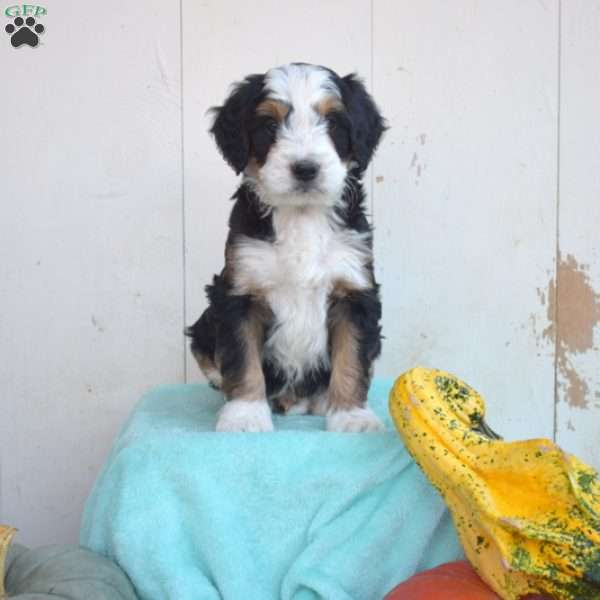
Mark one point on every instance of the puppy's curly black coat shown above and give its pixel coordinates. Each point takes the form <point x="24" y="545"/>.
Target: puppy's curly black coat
<point x="298" y="234"/>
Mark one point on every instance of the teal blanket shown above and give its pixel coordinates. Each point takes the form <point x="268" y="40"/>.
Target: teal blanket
<point x="297" y="514"/>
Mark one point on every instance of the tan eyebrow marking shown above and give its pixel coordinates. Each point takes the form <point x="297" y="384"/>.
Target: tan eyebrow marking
<point x="274" y="109"/>
<point x="329" y="105"/>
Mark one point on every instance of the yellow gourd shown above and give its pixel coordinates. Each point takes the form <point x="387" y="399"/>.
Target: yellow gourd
<point x="527" y="513"/>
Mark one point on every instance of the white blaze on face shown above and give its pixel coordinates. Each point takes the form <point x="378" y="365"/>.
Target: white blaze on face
<point x="303" y="135"/>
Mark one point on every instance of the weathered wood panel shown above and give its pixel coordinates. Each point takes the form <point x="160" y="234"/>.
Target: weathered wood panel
<point x="465" y="196"/>
<point x="90" y="239"/>
<point x="577" y="282"/>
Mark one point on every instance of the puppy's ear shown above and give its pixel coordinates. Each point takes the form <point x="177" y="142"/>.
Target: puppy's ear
<point x="367" y="123"/>
<point x="230" y="126"/>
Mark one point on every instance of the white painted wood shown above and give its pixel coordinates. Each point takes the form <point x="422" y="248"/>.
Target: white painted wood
<point x="578" y="408"/>
<point x="92" y="276"/>
<point x="90" y="238"/>
<point x="465" y="190"/>
<point x="223" y="42"/>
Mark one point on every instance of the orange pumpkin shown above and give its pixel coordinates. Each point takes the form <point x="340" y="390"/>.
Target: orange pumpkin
<point x="452" y="581"/>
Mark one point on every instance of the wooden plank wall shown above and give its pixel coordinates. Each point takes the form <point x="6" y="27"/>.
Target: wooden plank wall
<point x="485" y="196"/>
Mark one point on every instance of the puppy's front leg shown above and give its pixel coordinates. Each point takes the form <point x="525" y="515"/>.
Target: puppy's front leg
<point x="239" y="356"/>
<point x="354" y="344"/>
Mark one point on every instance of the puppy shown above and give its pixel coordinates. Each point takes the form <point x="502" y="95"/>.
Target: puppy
<point x="293" y="319"/>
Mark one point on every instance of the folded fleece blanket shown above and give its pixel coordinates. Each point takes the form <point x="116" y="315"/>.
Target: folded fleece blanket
<point x="297" y="514"/>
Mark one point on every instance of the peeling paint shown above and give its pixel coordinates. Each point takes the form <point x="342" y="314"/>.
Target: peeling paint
<point x="550" y="332"/>
<point x="533" y="323"/>
<point x="579" y="306"/>
<point x="575" y="386"/>
<point x="542" y="296"/>
<point x="418" y="166"/>
<point x="573" y="312"/>
<point x="162" y="65"/>
<point x="96" y="324"/>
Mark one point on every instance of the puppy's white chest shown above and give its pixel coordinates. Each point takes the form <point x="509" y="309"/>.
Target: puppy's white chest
<point x="303" y="244"/>
<point x="296" y="273"/>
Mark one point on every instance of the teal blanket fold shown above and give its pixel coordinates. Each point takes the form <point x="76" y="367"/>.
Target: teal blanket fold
<point x="297" y="514"/>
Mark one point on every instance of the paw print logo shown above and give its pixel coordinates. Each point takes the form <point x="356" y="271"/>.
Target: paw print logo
<point x="24" y="32"/>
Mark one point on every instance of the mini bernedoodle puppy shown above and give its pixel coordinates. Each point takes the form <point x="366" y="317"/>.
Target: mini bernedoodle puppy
<point x="293" y="319"/>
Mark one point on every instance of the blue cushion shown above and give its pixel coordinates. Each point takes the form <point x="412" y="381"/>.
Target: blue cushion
<point x="299" y="513"/>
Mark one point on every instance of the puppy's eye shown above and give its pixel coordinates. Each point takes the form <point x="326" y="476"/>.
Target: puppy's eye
<point x="271" y="125"/>
<point x="331" y="122"/>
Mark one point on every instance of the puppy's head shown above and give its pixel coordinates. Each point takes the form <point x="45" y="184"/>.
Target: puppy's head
<point x="297" y="132"/>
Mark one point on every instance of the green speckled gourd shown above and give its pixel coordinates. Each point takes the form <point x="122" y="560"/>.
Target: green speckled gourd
<point x="527" y="513"/>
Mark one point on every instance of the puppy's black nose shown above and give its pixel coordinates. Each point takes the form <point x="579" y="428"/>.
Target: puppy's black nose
<point x="305" y="170"/>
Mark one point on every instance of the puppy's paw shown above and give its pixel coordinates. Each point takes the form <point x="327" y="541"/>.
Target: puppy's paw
<point x="354" y="420"/>
<point x="245" y="415"/>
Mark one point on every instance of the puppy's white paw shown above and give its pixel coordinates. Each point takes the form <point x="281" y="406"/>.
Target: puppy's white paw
<point x="245" y="415"/>
<point x="354" y="420"/>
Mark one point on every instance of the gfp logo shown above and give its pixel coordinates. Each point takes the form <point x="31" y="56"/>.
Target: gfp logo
<point x="24" y="29"/>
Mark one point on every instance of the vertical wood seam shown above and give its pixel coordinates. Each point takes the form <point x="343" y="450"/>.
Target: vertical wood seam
<point x="183" y="211"/>
<point x="557" y="248"/>
<point x="372" y="77"/>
